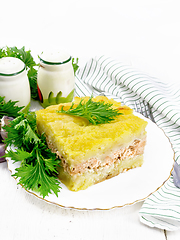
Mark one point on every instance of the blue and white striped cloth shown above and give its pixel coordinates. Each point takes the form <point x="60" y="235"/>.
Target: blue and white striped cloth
<point x="124" y="83"/>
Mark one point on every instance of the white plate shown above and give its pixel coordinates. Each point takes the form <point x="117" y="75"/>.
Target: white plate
<point x="127" y="188"/>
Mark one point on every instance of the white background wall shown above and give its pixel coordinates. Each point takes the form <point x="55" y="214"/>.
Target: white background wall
<point x="145" y="33"/>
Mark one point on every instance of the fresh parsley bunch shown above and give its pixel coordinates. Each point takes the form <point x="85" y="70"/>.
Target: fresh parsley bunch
<point x="27" y="58"/>
<point x="38" y="169"/>
<point x="94" y="112"/>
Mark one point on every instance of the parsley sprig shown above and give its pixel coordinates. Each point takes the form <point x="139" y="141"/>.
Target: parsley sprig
<point x="8" y="108"/>
<point x="94" y="112"/>
<point x="38" y="169"/>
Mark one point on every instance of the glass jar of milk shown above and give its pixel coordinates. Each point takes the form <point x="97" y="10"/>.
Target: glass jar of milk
<point x="14" y="82"/>
<point x="55" y="78"/>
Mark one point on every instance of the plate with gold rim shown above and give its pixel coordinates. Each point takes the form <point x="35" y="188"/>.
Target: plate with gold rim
<point x="127" y="188"/>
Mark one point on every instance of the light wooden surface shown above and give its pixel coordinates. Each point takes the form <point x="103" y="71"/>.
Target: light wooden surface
<point x="143" y="33"/>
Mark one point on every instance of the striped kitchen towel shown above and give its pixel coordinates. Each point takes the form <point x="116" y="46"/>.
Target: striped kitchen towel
<point x="127" y="85"/>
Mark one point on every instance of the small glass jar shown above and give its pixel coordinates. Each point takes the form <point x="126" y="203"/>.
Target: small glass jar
<point x="55" y="78"/>
<point x="14" y="83"/>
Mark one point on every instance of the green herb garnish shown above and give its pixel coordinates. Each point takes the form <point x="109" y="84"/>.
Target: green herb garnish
<point x="38" y="169"/>
<point x="94" y="112"/>
<point x="8" y="108"/>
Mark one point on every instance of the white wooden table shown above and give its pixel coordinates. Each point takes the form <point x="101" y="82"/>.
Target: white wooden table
<point x="143" y="33"/>
<point x="24" y="216"/>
